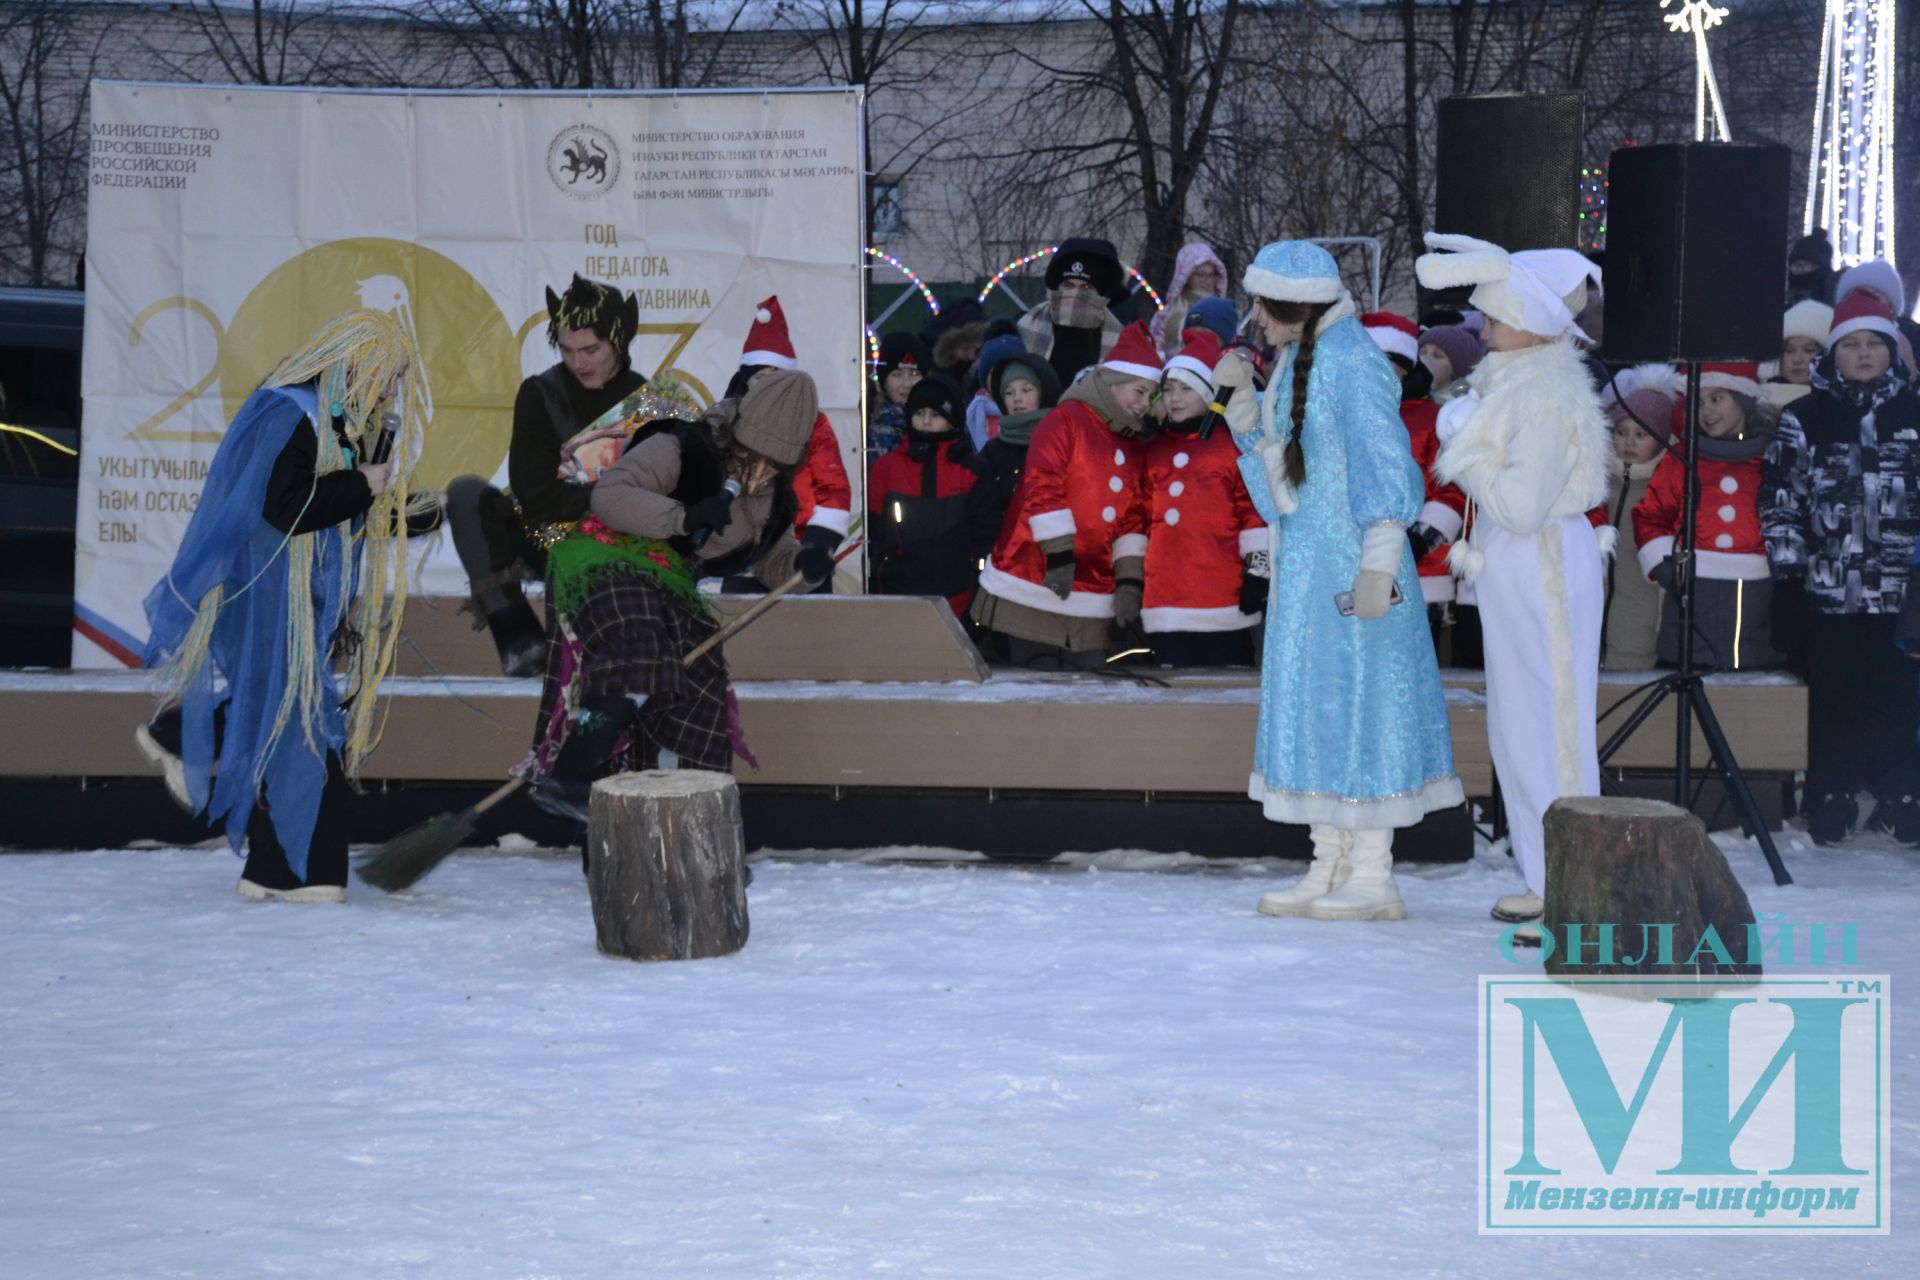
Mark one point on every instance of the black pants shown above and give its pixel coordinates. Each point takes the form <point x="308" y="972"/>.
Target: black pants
<point x="326" y="850"/>
<point x="496" y="553"/>
<point x="1862" y="709"/>
<point x="1202" y="648"/>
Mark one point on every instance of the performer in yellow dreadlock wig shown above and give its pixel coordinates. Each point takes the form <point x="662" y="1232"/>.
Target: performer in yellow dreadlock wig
<point x="294" y="559"/>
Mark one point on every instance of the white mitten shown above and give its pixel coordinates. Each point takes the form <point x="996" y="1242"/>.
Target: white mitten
<point x="1372" y="594"/>
<point x="1454" y="416"/>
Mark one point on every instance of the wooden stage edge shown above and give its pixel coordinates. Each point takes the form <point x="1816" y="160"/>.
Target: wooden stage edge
<point x="1017" y="731"/>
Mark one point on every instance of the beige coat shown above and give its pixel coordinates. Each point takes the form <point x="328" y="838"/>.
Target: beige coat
<point x="631" y="496"/>
<point x="1633" y="603"/>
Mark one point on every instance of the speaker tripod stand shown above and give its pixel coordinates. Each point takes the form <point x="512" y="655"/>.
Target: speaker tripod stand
<point x="1686" y="686"/>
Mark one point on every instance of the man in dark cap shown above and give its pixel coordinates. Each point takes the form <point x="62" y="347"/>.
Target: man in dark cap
<point x="503" y="538"/>
<point x="1075" y="327"/>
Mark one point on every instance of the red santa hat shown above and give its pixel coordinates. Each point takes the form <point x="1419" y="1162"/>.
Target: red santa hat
<point x="767" y="341"/>
<point x="1194" y="365"/>
<point x="1134" y="354"/>
<point x="1394" y="334"/>
<point x="1742" y="378"/>
<point x="1859" y="311"/>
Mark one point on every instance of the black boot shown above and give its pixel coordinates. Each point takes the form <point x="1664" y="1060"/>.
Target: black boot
<point x="1831" y="818"/>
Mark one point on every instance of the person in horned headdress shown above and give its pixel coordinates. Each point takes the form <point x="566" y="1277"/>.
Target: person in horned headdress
<point x="503" y="538"/>
<point x="294" y="561"/>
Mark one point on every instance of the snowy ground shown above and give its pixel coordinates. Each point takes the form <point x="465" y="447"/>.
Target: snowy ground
<point x="910" y="1071"/>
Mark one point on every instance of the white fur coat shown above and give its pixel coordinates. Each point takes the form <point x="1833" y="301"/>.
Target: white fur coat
<point x="1530" y="443"/>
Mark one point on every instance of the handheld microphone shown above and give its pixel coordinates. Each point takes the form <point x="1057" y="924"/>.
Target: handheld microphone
<point x="729" y="489"/>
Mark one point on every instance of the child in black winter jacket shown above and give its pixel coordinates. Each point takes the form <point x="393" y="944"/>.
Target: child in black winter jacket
<point x="1839" y="509"/>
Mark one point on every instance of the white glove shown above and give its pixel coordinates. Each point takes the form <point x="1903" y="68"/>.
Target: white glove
<point x="1372" y="594"/>
<point x="1234" y="370"/>
<point x="1454" y="416"/>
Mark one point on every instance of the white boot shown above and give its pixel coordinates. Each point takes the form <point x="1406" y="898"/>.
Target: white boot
<point x="1328" y="872"/>
<point x="1369" y="893"/>
<point x="1519" y="908"/>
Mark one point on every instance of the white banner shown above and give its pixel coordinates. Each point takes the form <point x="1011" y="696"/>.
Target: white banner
<point x="225" y="224"/>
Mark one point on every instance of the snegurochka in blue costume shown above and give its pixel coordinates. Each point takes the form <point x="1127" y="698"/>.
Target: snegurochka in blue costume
<point x="294" y="561"/>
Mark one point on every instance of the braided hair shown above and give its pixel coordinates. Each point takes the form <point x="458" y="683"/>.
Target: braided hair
<point x="1309" y="315"/>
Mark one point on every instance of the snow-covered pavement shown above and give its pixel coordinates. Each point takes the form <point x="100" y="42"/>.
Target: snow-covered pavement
<point x="910" y="1071"/>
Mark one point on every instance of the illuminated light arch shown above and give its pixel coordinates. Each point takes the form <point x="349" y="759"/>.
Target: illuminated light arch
<point x="1850" y="179"/>
<point x="881" y="255"/>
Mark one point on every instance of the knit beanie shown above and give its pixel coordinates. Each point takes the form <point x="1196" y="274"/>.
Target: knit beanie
<point x="936" y="392"/>
<point x="897" y="349"/>
<point x="777" y="415"/>
<point x="1094" y="261"/>
<point x="1463" y="347"/>
<point x="1215" y="314"/>
<point x="1877" y="275"/>
<point x="1808" y="319"/>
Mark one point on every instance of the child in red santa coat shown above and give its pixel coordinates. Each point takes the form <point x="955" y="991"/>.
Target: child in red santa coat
<point x="1444" y="513"/>
<point x="1069" y="562"/>
<point x="1733" y="592"/>
<point x="821" y="486"/>
<point x="917" y="501"/>
<point x="1207" y="549"/>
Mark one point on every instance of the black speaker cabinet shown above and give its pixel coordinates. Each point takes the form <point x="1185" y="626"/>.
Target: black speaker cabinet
<point x="1696" y="264"/>
<point x="1508" y="169"/>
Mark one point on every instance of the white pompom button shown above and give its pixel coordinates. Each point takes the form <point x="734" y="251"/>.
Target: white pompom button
<point x="1107" y="514"/>
<point x="1729" y="485"/>
<point x="1177" y="488"/>
<point x="1113" y="483"/>
<point x="1119" y="457"/>
<point x="1181" y="459"/>
<point x="1726" y="513"/>
<point x="1173" y="515"/>
<point x="1724" y="541"/>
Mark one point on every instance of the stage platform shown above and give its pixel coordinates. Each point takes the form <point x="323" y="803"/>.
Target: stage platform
<point x="880" y="698"/>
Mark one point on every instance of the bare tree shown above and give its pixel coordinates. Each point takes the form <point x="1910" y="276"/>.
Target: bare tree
<point x="48" y="53"/>
<point x="261" y="42"/>
<point x="580" y="44"/>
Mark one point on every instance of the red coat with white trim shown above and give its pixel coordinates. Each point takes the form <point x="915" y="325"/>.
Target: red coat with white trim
<point x="1446" y="506"/>
<point x="1200" y="523"/>
<point x="1080" y="479"/>
<point x="821" y="485"/>
<point x="1726" y="524"/>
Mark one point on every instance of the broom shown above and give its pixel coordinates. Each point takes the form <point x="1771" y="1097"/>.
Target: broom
<point x="405" y="859"/>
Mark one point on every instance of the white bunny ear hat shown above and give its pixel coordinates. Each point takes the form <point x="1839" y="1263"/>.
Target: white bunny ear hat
<point x="1538" y="290"/>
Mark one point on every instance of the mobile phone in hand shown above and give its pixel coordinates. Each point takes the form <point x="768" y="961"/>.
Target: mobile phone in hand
<point x="1344" y="601"/>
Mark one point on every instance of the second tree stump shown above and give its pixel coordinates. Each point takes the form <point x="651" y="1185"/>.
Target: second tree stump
<point x="664" y="859"/>
<point x="1640" y="865"/>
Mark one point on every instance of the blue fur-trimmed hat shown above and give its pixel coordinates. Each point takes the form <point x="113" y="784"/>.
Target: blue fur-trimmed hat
<point x="1294" y="271"/>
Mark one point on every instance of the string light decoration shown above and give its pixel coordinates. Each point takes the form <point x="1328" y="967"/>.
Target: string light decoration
<point x="1696" y="18"/>
<point x="1850" y="180"/>
<point x="1157" y="304"/>
<point x="1593" y="206"/>
<point x="933" y="304"/>
<point x="1026" y="259"/>
<point x="873" y="347"/>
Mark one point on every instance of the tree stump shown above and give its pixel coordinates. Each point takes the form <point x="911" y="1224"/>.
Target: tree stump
<point x="664" y="852"/>
<point x="1640" y="865"/>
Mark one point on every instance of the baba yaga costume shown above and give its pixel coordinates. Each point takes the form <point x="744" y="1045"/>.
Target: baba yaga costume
<point x="1353" y="738"/>
<point x="1529" y="444"/>
<point x="624" y="608"/>
<point x="289" y="565"/>
<point x="503" y="538"/>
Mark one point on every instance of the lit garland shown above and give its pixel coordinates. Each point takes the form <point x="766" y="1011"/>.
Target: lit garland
<point x="1696" y="18"/>
<point x="1850" y="182"/>
<point x="873" y="347"/>
<point x="1014" y="266"/>
<point x="1157" y="304"/>
<point x="907" y="271"/>
<point x="1594" y="183"/>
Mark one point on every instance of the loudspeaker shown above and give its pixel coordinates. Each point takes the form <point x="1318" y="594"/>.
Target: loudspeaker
<point x="1508" y="169"/>
<point x="1696" y="264"/>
